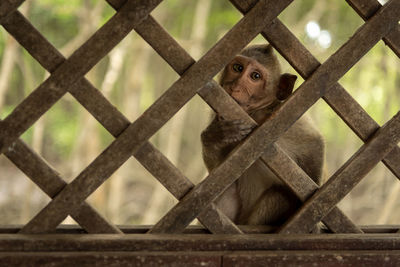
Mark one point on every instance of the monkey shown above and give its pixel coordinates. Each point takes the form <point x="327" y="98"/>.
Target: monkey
<point x="254" y="80"/>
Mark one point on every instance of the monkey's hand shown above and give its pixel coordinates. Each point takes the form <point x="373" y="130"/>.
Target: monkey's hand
<point x="226" y="131"/>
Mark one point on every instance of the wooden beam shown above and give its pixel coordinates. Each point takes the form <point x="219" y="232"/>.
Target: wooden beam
<point x="106" y="259"/>
<point x="198" y="229"/>
<point x="312" y="258"/>
<point x="197" y="242"/>
<point x="8" y="7"/>
<point x="366" y="9"/>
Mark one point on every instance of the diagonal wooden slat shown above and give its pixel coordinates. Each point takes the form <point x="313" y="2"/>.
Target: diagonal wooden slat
<point x="152" y="119"/>
<point x="180" y="61"/>
<point x="113" y="121"/>
<point x="308" y="93"/>
<point x="346" y="178"/>
<point x="303" y="186"/>
<point x="366" y="8"/>
<point x="51" y="183"/>
<point x="337" y="97"/>
<point x="80" y="62"/>
<point x="216" y="97"/>
<point x="176" y="183"/>
<point x="7" y="7"/>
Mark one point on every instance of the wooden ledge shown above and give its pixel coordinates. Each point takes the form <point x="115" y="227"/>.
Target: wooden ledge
<point x="69" y="247"/>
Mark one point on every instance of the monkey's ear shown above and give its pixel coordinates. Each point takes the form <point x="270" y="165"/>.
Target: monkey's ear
<point x="285" y="87"/>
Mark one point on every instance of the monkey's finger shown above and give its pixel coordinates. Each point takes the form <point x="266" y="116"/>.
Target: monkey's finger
<point x="245" y="127"/>
<point x="231" y="140"/>
<point x="245" y="132"/>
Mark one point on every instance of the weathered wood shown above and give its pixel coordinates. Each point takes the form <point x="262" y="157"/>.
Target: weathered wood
<point x="197" y="242"/>
<point x="101" y="258"/>
<point x="169" y="49"/>
<point x="114" y="122"/>
<point x="313" y="258"/>
<point x="337" y="98"/>
<point x="346" y="178"/>
<point x="302" y="99"/>
<point x="8" y="7"/>
<point x="221" y="258"/>
<point x="80" y="62"/>
<point x="152" y="119"/>
<point x="33" y="41"/>
<point x="198" y="229"/>
<point x="303" y="186"/>
<point x="366" y="9"/>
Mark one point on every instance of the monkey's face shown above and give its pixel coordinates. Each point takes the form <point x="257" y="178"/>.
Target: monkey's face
<point x="249" y="83"/>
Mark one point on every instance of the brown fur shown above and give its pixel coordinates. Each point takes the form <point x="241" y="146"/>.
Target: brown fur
<point x="258" y="196"/>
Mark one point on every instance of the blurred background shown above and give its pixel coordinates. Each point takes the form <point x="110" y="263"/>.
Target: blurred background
<point x="133" y="76"/>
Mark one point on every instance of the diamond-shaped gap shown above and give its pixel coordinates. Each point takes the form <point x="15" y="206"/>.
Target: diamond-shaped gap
<point x="132" y="76"/>
<point x="21" y="74"/>
<point x="20" y="198"/>
<point x="374" y="83"/>
<point x="340" y="141"/>
<point x="179" y="138"/>
<point x="179" y="141"/>
<point x="322" y="26"/>
<point x="68" y="24"/>
<point x="375" y="200"/>
<point x="132" y="196"/>
<point x="68" y="137"/>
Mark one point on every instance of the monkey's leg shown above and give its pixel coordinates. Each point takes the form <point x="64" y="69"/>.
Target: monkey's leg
<point x="274" y="207"/>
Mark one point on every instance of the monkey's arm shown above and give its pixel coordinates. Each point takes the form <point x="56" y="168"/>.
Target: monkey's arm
<point x="225" y="132"/>
<point x="220" y="137"/>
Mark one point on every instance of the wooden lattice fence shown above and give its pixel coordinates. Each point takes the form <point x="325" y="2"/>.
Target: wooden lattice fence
<point x="131" y="139"/>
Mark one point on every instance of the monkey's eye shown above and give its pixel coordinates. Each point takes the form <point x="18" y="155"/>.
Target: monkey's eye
<point x="255" y="76"/>
<point x="237" y="67"/>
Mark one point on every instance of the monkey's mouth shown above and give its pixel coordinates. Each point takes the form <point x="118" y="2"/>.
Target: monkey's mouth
<point x="240" y="96"/>
<point x="241" y="103"/>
